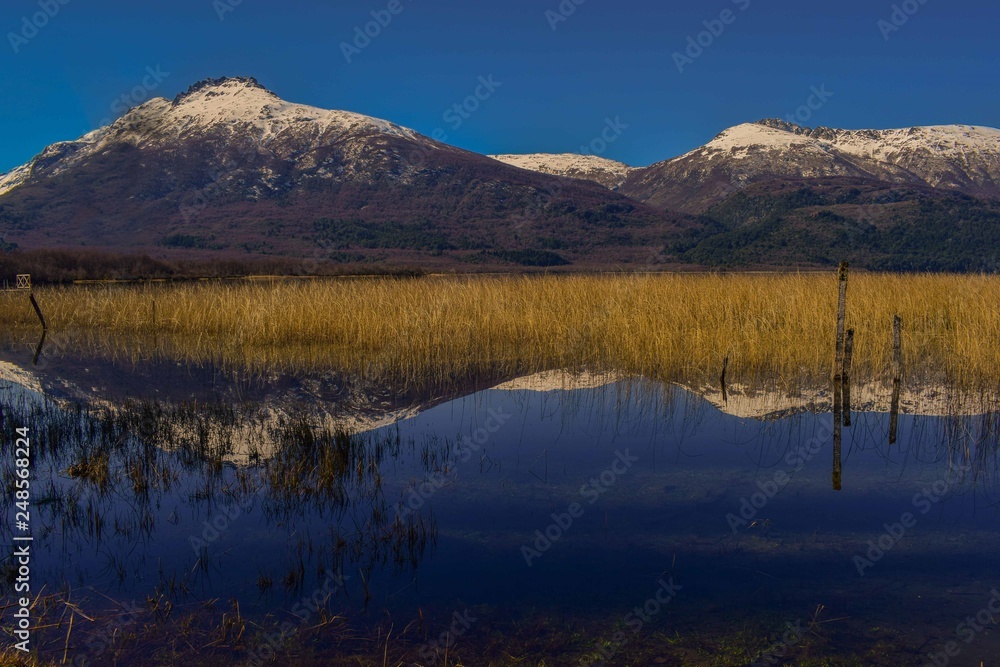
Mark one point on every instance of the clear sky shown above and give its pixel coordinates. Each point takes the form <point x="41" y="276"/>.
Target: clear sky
<point x="934" y="62"/>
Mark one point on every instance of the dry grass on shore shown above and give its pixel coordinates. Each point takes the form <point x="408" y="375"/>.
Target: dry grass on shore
<point x="444" y="330"/>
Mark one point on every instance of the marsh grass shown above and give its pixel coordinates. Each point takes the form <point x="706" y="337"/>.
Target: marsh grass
<point x="443" y="331"/>
<point x="104" y="471"/>
<point x="109" y="468"/>
<point x="218" y="633"/>
<point x="91" y="468"/>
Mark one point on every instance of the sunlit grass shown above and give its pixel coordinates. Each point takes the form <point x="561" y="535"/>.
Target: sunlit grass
<point x="446" y="330"/>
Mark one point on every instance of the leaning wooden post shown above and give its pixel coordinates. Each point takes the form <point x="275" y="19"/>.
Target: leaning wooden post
<point x="838" y="372"/>
<point x="38" y="348"/>
<point x="848" y="358"/>
<point x="897" y="376"/>
<point x="38" y="311"/>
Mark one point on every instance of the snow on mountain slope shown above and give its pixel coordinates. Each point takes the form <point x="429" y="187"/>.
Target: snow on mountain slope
<point x="244" y="102"/>
<point x="228" y="168"/>
<point x="236" y="107"/>
<point x="609" y="173"/>
<point x="15" y="177"/>
<point x="953" y="157"/>
<point x="944" y="156"/>
<point x="740" y="139"/>
<point x="236" y="127"/>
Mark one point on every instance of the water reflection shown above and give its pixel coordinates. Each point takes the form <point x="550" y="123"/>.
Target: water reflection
<point x="515" y="502"/>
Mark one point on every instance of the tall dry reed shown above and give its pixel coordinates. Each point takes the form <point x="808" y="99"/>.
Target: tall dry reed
<point x="450" y="329"/>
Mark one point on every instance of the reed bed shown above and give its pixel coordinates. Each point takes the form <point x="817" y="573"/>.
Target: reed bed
<point x="442" y="330"/>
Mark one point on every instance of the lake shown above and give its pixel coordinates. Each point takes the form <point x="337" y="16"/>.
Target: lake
<point x="559" y="519"/>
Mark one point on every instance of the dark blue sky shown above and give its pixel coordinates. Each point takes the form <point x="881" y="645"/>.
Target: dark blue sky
<point x="606" y="60"/>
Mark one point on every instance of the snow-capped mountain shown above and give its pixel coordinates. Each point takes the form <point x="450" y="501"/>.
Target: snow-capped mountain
<point x="953" y="157"/>
<point x="229" y="167"/>
<point x="231" y="109"/>
<point x="609" y="173"/>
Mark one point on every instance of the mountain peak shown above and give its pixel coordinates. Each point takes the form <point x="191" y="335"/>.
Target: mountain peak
<point x="238" y="108"/>
<point x="221" y="86"/>
<point x="778" y="124"/>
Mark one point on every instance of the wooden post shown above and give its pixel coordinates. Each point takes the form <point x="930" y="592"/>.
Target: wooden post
<point x="838" y="372"/>
<point x="722" y="379"/>
<point x="837" y="416"/>
<point x="837" y="470"/>
<point x="841" y="317"/>
<point x="38" y="349"/>
<point x="38" y="311"/>
<point x="848" y="357"/>
<point x="897" y="376"/>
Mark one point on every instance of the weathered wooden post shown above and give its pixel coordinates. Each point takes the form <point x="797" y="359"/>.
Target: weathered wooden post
<point x="38" y="348"/>
<point x="897" y="376"/>
<point x="838" y="372"/>
<point x="838" y="363"/>
<point x="848" y="358"/>
<point x="837" y="466"/>
<point x="38" y="311"/>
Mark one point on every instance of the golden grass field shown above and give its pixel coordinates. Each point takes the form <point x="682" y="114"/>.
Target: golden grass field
<point x="442" y="330"/>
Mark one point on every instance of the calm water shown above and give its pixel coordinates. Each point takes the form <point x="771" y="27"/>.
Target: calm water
<point x="577" y="507"/>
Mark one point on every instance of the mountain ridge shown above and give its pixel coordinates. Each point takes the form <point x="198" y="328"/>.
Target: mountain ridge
<point x="228" y="168"/>
<point x="609" y="173"/>
<point x="953" y="158"/>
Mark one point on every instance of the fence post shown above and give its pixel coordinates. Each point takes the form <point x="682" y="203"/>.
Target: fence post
<point x="897" y="376"/>
<point x="838" y="373"/>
